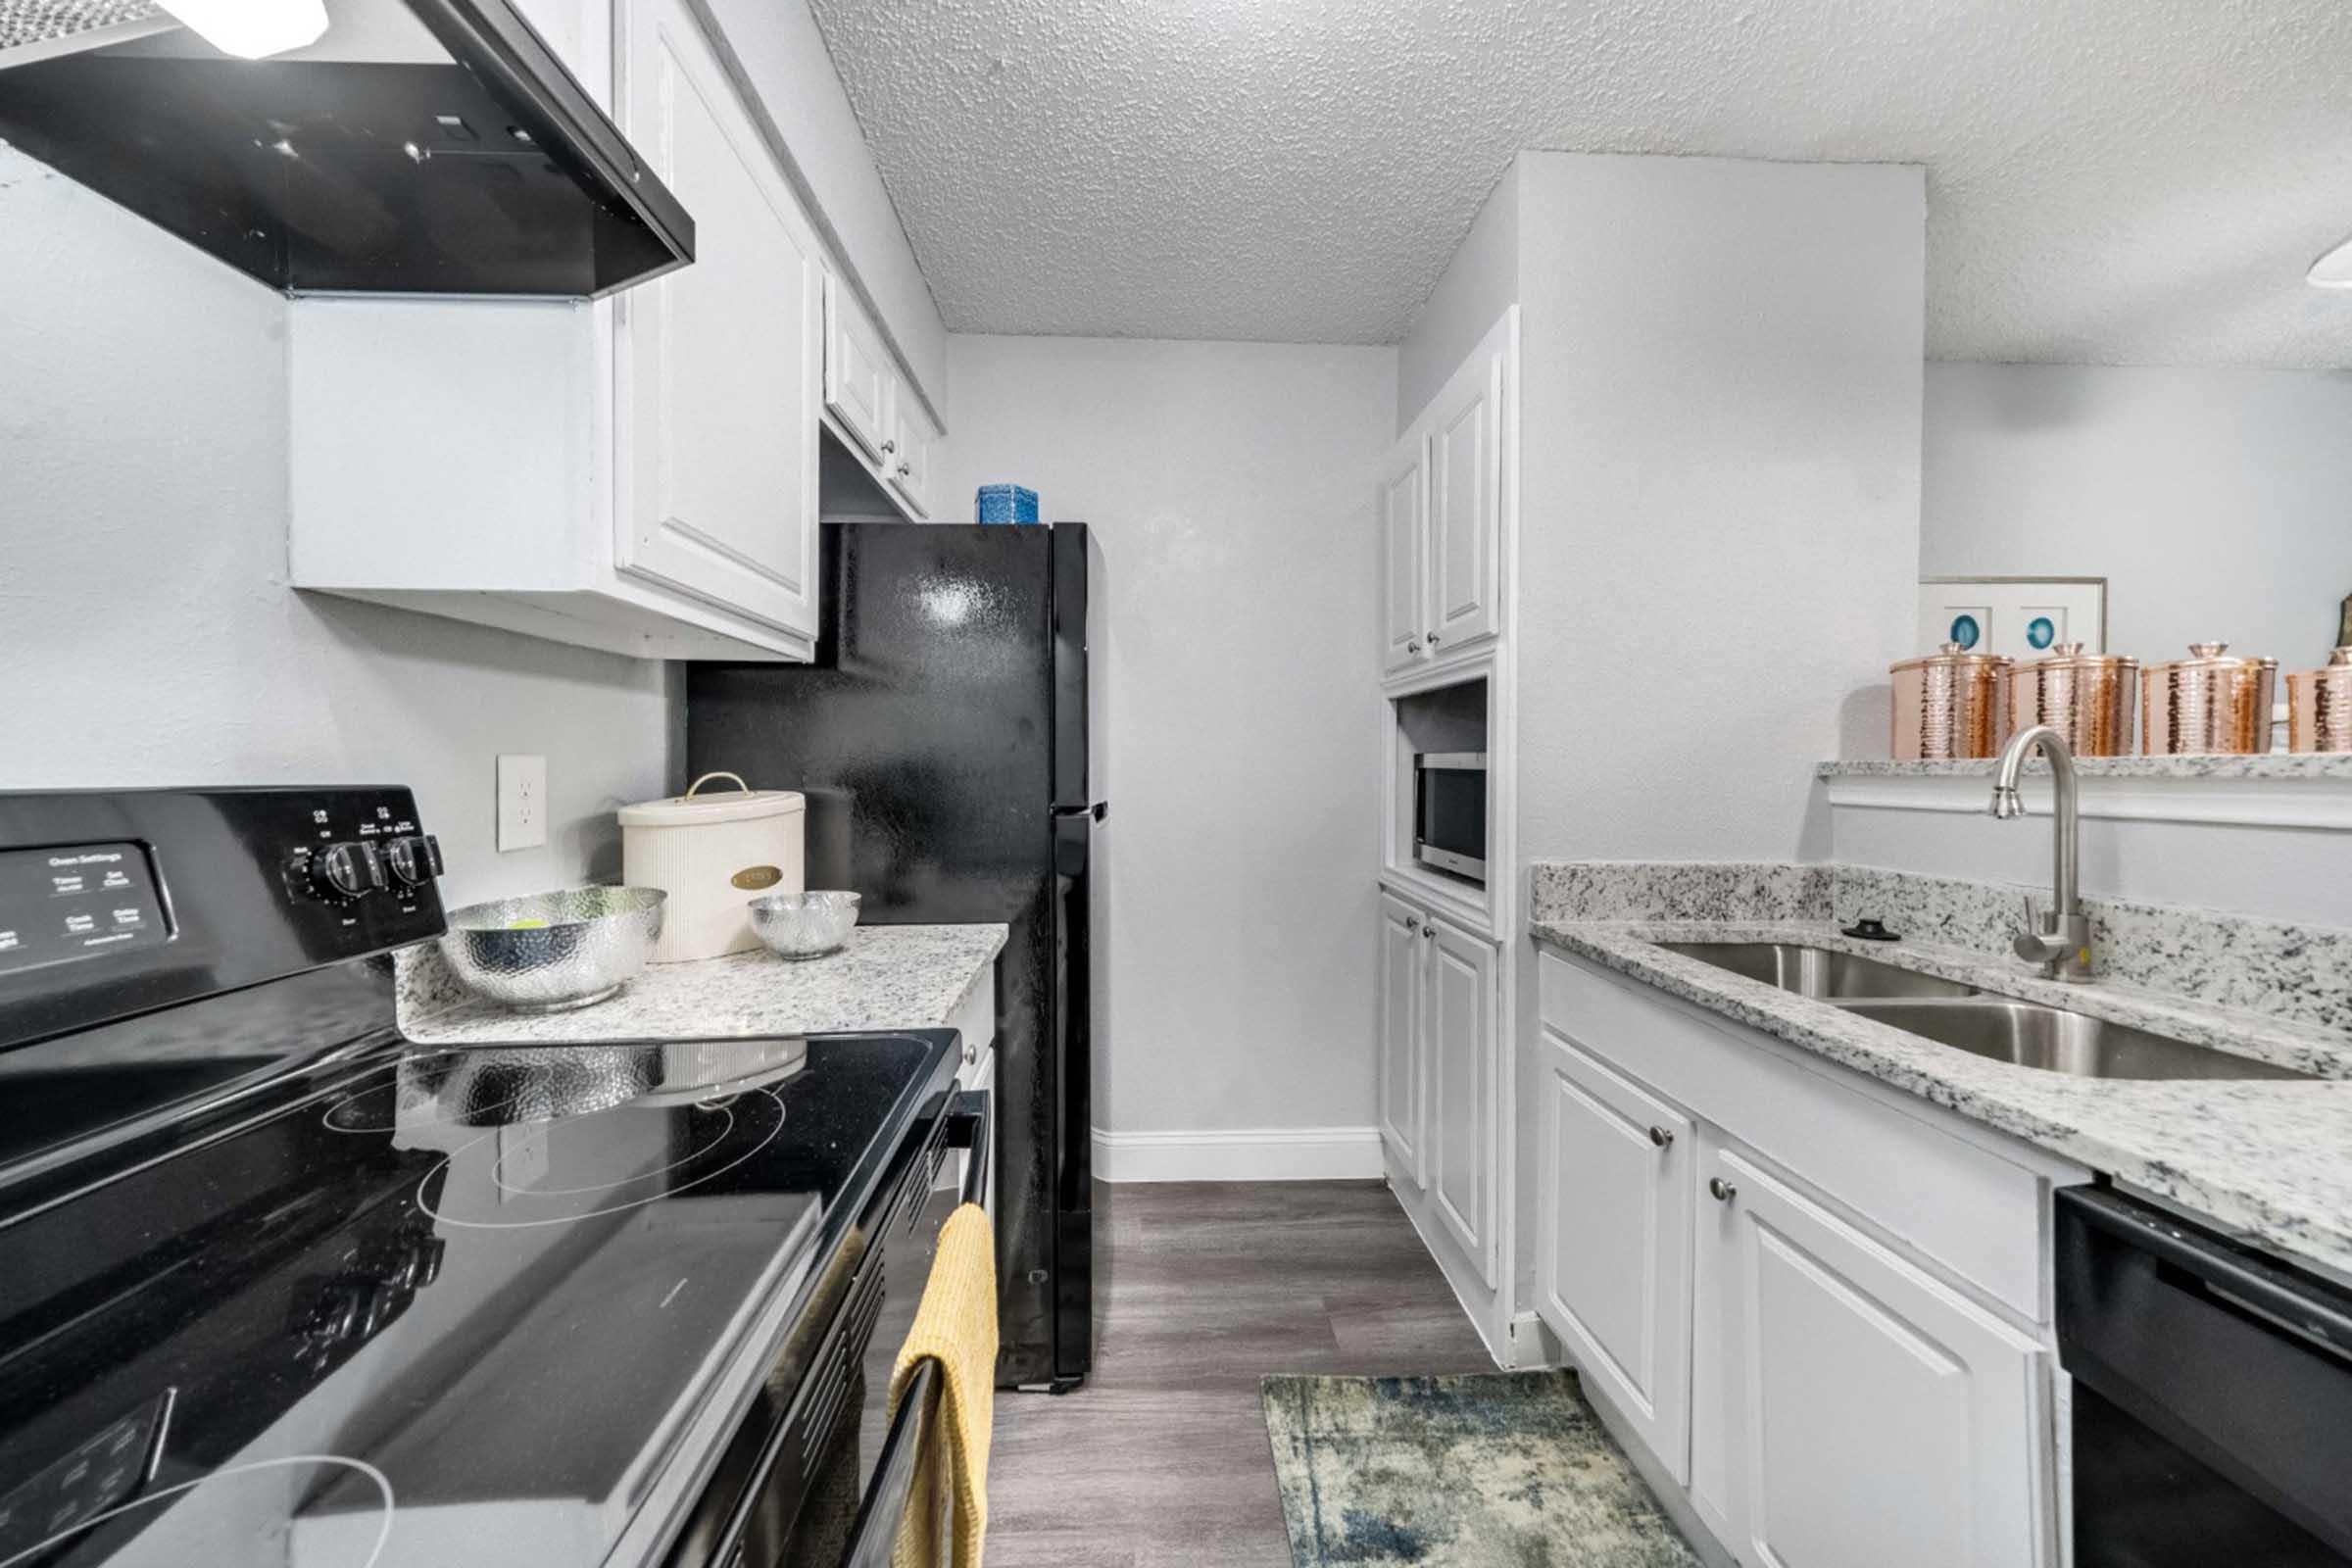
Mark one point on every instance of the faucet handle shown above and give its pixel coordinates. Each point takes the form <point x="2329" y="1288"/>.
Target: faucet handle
<point x="2036" y="922"/>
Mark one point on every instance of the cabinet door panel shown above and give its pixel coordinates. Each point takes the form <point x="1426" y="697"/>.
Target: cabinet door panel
<point x="1466" y="503"/>
<point x="1613" y="1263"/>
<point x="911" y="467"/>
<point x="719" y="359"/>
<point x="1874" y="1414"/>
<point x="1404" y="555"/>
<point x="1403" y="1065"/>
<point x="1461" y="1050"/>
<point x="857" y="376"/>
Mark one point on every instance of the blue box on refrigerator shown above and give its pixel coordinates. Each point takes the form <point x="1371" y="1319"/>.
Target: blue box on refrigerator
<point x="1007" y="503"/>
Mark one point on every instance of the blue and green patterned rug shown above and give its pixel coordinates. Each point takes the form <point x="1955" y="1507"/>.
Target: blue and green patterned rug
<point x="1500" y="1470"/>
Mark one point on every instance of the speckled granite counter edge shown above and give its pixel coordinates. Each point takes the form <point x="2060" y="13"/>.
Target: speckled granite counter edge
<point x="2270" y="765"/>
<point x="888" y="977"/>
<point x="2271" y="1160"/>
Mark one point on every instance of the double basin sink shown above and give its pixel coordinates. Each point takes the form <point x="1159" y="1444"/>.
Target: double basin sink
<point x="2029" y="1033"/>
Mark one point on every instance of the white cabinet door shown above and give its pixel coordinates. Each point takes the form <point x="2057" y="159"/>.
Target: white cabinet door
<point x="1466" y="434"/>
<point x="1462" y="1040"/>
<point x="1613" y="1254"/>
<point x="1868" y="1413"/>
<point x="860" y="382"/>
<point x="1404" y="555"/>
<point x="1403" y="1037"/>
<point x="911" y="469"/>
<point x="720" y="366"/>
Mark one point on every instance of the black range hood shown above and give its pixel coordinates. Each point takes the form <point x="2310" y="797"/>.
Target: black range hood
<point x="432" y="147"/>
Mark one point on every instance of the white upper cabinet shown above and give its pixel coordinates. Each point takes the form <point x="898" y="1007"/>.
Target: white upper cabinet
<point x="1443" y="496"/>
<point x="913" y="468"/>
<point x="721" y="359"/>
<point x="1613" y="1247"/>
<point x="1465" y="509"/>
<point x="860" y="384"/>
<point x="1403" y="1036"/>
<point x="1869" y="1414"/>
<point x="1462" y="1047"/>
<point x="1404" y="555"/>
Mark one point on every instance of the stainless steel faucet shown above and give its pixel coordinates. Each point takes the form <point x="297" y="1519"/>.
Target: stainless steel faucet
<point x="2060" y="942"/>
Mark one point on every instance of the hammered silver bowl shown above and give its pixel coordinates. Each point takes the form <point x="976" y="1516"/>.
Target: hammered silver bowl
<point x="804" y="925"/>
<point x="552" y="951"/>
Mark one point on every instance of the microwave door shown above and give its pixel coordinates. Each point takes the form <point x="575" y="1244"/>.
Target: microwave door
<point x="1449" y="813"/>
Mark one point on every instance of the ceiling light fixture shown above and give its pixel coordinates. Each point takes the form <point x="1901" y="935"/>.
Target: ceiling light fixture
<point x="252" y="29"/>
<point x="2333" y="270"/>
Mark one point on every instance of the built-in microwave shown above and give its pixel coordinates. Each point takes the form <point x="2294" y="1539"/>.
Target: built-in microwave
<point x="1449" y="813"/>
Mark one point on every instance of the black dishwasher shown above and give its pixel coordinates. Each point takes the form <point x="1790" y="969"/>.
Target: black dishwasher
<point x="2212" y="1395"/>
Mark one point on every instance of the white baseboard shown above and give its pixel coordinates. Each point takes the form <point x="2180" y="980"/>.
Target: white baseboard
<point x="1239" y="1155"/>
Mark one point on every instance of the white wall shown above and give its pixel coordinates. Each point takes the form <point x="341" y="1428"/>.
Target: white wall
<point x="2217" y="503"/>
<point x="783" y="52"/>
<point x="1719" y="494"/>
<point x="1477" y="285"/>
<point x="1231" y="486"/>
<point x="145" y="629"/>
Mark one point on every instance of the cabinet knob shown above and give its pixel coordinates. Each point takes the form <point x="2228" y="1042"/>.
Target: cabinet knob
<point x="1721" y="1191"/>
<point x="905" y="469"/>
<point x="1429" y="933"/>
<point x="1412" y="923"/>
<point x="1432" y="639"/>
<point x="1414" y="646"/>
<point x="888" y="447"/>
<point x="1660" y="1137"/>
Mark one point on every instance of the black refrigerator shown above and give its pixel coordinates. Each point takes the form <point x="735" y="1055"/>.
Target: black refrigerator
<point x="949" y="738"/>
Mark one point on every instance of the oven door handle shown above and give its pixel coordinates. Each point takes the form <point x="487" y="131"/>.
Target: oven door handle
<point x="884" y="1506"/>
<point x="969" y="1115"/>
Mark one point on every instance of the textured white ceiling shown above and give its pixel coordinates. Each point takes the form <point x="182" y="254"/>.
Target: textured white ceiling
<point x="2133" y="181"/>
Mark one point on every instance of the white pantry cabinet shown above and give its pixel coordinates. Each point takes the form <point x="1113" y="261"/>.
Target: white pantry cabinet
<point x="1403" y="1059"/>
<point x="1443" y="493"/>
<point x="1439" y="1047"/>
<point x="1825" y="1316"/>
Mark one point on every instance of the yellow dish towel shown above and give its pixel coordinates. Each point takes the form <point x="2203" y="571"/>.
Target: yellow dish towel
<point x="956" y="1326"/>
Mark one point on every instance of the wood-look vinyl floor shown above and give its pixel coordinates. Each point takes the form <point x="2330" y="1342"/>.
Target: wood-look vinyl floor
<point x="1162" y="1459"/>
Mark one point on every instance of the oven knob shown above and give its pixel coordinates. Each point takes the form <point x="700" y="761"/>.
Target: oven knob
<point x="347" y="871"/>
<point x="414" y="861"/>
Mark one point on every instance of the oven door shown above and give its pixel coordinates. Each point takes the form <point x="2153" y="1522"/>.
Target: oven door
<point x="815" y="1504"/>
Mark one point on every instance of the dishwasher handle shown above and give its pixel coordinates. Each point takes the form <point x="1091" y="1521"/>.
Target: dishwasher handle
<point x="2311" y="1308"/>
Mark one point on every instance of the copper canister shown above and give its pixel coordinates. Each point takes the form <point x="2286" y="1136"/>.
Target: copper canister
<point x="2319" y="706"/>
<point x="2085" y="697"/>
<point x="1950" y="704"/>
<point x="2212" y="703"/>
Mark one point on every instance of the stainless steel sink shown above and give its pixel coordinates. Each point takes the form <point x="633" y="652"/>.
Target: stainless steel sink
<point x="2056" y="1040"/>
<point x="1817" y="971"/>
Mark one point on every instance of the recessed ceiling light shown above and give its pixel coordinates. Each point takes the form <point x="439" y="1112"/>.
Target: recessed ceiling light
<point x="252" y="29"/>
<point x="2333" y="270"/>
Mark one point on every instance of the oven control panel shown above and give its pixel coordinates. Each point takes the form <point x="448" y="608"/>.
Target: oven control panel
<point x="114" y="903"/>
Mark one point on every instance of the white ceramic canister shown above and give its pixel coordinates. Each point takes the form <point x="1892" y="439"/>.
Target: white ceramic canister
<point x="713" y="855"/>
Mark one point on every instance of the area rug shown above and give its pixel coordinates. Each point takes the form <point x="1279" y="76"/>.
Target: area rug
<point x="1498" y="1470"/>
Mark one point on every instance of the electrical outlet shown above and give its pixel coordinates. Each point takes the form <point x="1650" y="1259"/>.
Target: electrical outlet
<point x="521" y="802"/>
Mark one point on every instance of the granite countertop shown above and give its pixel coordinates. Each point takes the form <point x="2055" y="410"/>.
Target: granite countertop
<point x="2268" y="1160"/>
<point x="2273" y="764"/>
<point x="888" y="977"/>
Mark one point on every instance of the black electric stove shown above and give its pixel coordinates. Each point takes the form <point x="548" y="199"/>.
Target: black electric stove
<point x="276" y="1288"/>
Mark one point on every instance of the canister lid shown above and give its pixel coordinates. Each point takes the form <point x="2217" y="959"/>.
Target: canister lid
<point x="1951" y="654"/>
<point x="2213" y="656"/>
<point x="2070" y="656"/>
<point x="741" y="803"/>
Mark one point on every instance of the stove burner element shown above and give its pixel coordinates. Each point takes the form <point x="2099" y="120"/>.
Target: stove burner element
<point x="207" y="1524"/>
<point x="512" y="1177"/>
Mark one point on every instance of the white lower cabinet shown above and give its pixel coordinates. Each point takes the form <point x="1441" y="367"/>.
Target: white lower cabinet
<point x="1440" y="1057"/>
<point x="1737" y="1256"/>
<point x="1614" y="1255"/>
<point x="1864" y="1414"/>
